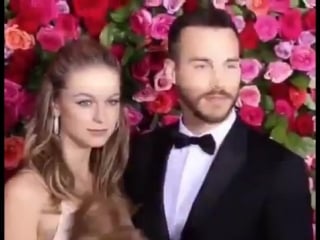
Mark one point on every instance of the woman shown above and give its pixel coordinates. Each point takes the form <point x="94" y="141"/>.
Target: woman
<point x="76" y="144"/>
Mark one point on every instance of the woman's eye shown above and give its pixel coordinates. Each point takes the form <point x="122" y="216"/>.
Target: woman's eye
<point x="114" y="101"/>
<point x="85" y="103"/>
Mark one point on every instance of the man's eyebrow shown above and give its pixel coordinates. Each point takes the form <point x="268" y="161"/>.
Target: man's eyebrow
<point x="200" y="59"/>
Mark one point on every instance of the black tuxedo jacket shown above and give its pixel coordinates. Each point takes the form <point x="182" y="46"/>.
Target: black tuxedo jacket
<point x="255" y="189"/>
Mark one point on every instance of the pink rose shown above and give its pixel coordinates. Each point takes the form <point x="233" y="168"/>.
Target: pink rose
<point x="141" y="70"/>
<point x="313" y="94"/>
<point x="250" y="95"/>
<point x="133" y="116"/>
<point x="169" y="119"/>
<point x="267" y="27"/>
<point x="250" y="69"/>
<point x="241" y="2"/>
<point x="283" y="50"/>
<point x="68" y="24"/>
<point x="160" y="26"/>
<point x="152" y="3"/>
<point x="63" y="7"/>
<point x="140" y="22"/>
<point x="147" y="94"/>
<point x="283" y="108"/>
<point x="309" y="3"/>
<point x="239" y="22"/>
<point x="252" y="116"/>
<point x="51" y="39"/>
<point x="291" y="24"/>
<point x="12" y="92"/>
<point x="173" y="6"/>
<point x="220" y="4"/>
<point x="278" y="71"/>
<point x="306" y="38"/>
<point x="162" y="82"/>
<point x="280" y="6"/>
<point x="303" y="58"/>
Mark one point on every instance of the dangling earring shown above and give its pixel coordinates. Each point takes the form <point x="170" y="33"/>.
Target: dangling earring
<point x="56" y="125"/>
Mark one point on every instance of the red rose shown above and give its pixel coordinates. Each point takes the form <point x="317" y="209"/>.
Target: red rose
<point x="157" y="60"/>
<point x="190" y="5"/>
<point x="279" y="91"/>
<point x="169" y="119"/>
<point x="252" y="116"/>
<point x="163" y="104"/>
<point x="68" y="24"/>
<point x="13" y="152"/>
<point x="304" y="125"/>
<point x="248" y="37"/>
<point x="31" y="14"/>
<point x="141" y="69"/>
<point x="20" y="63"/>
<point x="291" y="25"/>
<point x="11" y="117"/>
<point x="309" y="20"/>
<point x="94" y="25"/>
<point x="118" y="50"/>
<point x="115" y="4"/>
<point x="140" y="22"/>
<point x="93" y="13"/>
<point x="297" y="97"/>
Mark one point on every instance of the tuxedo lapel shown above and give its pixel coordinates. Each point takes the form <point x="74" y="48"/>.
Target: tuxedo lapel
<point x="226" y="164"/>
<point x="154" y="214"/>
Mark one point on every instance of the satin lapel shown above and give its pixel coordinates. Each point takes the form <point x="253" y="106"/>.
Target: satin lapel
<point x="229" y="159"/>
<point x="154" y="209"/>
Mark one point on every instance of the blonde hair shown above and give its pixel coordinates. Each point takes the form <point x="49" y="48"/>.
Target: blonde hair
<point x="43" y="151"/>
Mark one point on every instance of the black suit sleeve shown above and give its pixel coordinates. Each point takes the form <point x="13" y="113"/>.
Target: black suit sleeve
<point x="288" y="211"/>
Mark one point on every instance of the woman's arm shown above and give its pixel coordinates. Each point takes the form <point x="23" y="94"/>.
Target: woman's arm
<point x="25" y="196"/>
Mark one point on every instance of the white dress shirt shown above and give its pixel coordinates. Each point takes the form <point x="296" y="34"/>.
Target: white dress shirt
<point x="186" y="170"/>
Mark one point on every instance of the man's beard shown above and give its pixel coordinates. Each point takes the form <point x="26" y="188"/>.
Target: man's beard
<point x="192" y="105"/>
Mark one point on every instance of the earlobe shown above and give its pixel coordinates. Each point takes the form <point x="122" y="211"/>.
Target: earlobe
<point x="169" y="70"/>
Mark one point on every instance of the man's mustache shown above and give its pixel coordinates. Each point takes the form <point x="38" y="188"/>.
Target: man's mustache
<point x="220" y="92"/>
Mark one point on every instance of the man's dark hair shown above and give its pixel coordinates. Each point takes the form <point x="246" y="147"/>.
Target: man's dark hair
<point x="210" y="17"/>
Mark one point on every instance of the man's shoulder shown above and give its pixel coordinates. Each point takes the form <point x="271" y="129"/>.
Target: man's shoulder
<point x="270" y="149"/>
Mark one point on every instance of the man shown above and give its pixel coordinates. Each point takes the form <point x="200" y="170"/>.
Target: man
<point x="210" y="177"/>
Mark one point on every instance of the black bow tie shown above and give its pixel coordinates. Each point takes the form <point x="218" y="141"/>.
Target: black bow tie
<point x="206" y="142"/>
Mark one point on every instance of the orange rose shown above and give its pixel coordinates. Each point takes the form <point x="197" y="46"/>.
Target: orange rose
<point x="259" y="7"/>
<point x="13" y="152"/>
<point x="18" y="39"/>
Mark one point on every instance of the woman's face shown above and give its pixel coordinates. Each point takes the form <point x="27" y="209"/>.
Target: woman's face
<point x="89" y="106"/>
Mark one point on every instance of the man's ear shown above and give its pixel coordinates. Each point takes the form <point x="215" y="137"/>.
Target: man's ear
<point x="169" y="69"/>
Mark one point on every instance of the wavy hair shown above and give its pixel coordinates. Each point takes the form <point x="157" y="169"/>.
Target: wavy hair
<point x="43" y="149"/>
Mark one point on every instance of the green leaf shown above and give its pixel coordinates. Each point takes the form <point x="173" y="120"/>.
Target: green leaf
<point x="250" y="54"/>
<point x="300" y="81"/>
<point x="292" y="141"/>
<point x="267" y="102"/>
<point x="266" y="54"/>
<point x="107" y="35"/>
<point x="134" y="38"/>
<point x="121" y="15"/>
<point x="271" y="121"/>
<point x="309" y="103"/>
<point x="294" y="3"/>
<point x="307" y="147"/>
<point x="236" y="9"/>
<point x="127" y="55"/>
<point x="278" y="134"/>
<point x="283" y="122"/>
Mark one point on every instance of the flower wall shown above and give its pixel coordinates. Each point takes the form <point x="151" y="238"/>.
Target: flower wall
<point x="277" y="95"/>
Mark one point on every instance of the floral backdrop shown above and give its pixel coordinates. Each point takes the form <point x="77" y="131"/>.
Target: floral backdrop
<point x="278" y="66"/>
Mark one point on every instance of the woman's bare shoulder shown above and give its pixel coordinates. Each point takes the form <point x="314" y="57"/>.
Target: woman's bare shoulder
<point x="26" y="187"/>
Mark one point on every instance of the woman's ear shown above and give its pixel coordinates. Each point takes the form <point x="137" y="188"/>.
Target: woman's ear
<point x="169" y="70"/>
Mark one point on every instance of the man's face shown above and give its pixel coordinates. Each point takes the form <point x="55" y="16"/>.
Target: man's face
<point x="207" y="72"/>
